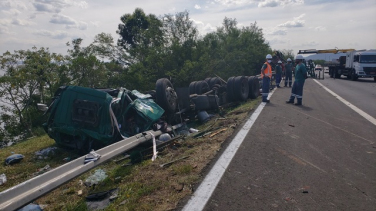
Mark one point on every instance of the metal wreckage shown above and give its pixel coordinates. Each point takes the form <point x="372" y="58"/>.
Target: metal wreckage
<point x="86" y="118"/>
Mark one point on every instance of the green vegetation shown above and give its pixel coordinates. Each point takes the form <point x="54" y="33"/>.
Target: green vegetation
<point x="148" y="48"/>
<point x="142" y="186"/>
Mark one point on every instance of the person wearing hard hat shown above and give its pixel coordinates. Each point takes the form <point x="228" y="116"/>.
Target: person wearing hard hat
<point x="300" y="76"/>
<point x="288" y="73"/>
<point x="266" y="75"/>
<point x="278" y="73"/>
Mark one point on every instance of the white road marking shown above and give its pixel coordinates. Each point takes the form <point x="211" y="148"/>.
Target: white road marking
<point x="353" y="107"/>
<point x="210" y="182"/>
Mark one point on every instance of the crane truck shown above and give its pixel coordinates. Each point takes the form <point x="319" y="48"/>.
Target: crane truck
<point x="355" y="64"/>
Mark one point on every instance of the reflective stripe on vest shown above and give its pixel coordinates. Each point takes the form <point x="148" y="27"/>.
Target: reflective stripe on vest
<point x="268" y="71"/>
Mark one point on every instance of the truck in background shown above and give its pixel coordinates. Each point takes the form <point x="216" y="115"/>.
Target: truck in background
<point x="355" y="64"/>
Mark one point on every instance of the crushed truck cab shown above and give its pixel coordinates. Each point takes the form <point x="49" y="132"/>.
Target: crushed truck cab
<point x="85" y="118"/>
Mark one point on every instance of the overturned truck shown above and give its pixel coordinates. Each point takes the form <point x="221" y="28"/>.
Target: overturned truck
<point x="86" y="118"/>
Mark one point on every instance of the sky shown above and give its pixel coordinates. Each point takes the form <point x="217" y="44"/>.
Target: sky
<point x="286" y="24"/>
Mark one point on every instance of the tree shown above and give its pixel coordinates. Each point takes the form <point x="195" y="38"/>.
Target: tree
<point x="27" y="75"/>
<point x="139" y="32"/>
<point x="84" y="67"/>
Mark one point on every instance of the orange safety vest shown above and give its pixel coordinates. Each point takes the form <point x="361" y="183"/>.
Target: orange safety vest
<point x="268" y="71"/>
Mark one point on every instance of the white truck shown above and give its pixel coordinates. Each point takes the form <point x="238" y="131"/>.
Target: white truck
<point x="360" y="64"/>
<point x="355" y="64"/>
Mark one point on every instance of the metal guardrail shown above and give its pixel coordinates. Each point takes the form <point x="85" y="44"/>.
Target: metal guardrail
<point x="23" y="193"/>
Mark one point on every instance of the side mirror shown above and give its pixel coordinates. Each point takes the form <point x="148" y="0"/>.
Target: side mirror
<point x="42" y="107"/>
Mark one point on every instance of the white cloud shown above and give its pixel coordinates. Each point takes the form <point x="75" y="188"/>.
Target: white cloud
<point x="197" y="7"/>
<point x="8" y="5"/>
<point x="13" y="12"/>
<point x="296" y="22"/>
<point x="320" y="28"/>
<point x="269" y="3"/>
<point x="21" y="22"/>
<point x="202" y="27"/>
<point x="276" y="41"/>
<point x="53" y="34"/>
<point x="276" y="31"/>
<point x="5" y="22"/>
<point x="46" y="8"/>
<point x="309" y="44"/>
<point x="231" y="2"/>
<point x="68" y="21"/>
<point x="276" y="3"/>
<point x="79" y="25"/>
<point x="62" y="19"/>
<point x="4" y="30"/>
<point x="56" y="6"/>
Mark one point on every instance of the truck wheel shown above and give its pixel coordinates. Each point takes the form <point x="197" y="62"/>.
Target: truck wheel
<point x="230" y="89"/>
<point x="374" y="78"/>
<point x="354" y="77"/>
<point x="192" y="88"/>
<point x="166" y="95"/>
<point x="213" y="81"/>
<point x="254" y="87"/>
<point x="241" y="88"/>
<point x="201" y="87"/>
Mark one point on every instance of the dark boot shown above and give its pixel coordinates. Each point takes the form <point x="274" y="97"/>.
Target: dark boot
<point x="291" y="100"/>
<point x="289" y="84"/>
<point x="265" y="99"/>
<point x="299" y="103"/>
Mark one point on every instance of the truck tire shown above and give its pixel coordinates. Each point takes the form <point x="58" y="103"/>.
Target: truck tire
<point x="230" y="89"/>
<point x="192" y="88"/>
<point x="166" y="95"/>
<point x="201" y="87"/>
<point x="354" y="77"/>
<point x="374" y="78"/>
<point x="241" y="88"/>
<point x="254" y="87"/>
<point x="336" y="73"/>
<point x="213" y="81"/>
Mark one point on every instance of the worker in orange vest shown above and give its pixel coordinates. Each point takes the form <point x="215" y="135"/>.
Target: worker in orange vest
<point x="266" y="75"/>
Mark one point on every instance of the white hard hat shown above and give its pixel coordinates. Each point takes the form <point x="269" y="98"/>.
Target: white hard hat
<point x="299" y="57"/>
<point x="269" y="56"/>
<point x="279" y="62"/>
<point x="289" y="60"/>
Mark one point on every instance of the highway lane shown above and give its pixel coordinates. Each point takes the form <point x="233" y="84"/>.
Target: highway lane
<point x="361" y="93"/>
<point x="320" y="156"/>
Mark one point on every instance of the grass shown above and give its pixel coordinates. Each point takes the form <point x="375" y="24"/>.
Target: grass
<point x="143" y="186"/>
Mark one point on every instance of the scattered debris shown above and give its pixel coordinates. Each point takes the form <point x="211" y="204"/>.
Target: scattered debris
<point x="45" y="153"/>
<point x="164" y="137"/>
<point x="192" y="130"/>
<point x="98" y="176"/>
<point x="169" y="163"/>
<point x="15" y="158"/>
<point x="217" y="132"/>
<point x="203" y="116"/>
<point x="79" y="193"/>
<point x="291" y="125"/>
<point x="31" y="207"/>
<point x="42" y="170"/>
<point x="67" y="159"/>
<point x="3" y="179"/>
<point x="305" y="191"/>
<point x="99" y="201"/>
<point x="92" y="156"/>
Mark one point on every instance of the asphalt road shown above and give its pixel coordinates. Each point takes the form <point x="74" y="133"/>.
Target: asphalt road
<point x="321" y="156"/>
<point x="361" y="93"/>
